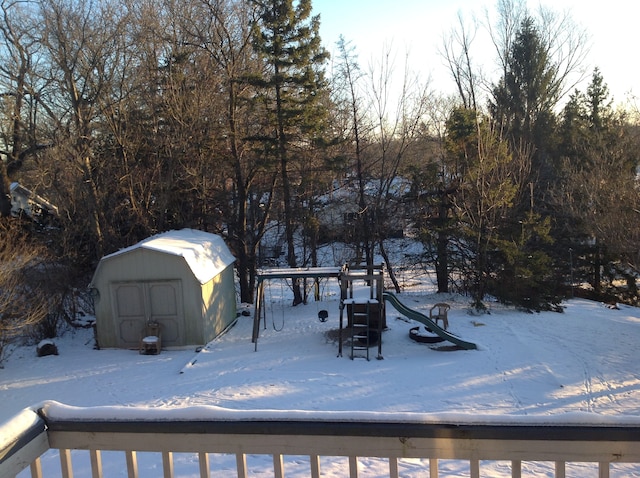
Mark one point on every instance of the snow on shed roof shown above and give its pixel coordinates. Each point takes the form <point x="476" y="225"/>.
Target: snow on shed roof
<point x="206" y="254"/>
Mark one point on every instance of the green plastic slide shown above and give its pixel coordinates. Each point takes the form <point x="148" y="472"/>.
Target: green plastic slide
<point x="423" y="319"/>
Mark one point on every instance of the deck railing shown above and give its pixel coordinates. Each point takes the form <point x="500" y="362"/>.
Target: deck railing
<point x="392" y="437"/>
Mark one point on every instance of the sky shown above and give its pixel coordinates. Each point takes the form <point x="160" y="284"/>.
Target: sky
<point x="578" y="367"/>
<point x="417" y="27"/>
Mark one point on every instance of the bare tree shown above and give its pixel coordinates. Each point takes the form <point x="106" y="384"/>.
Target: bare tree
<point x="222" y="30"/>
<point x="20" y="83"/>
<point x="350" y="101"/>
<point x="398" y="115"/>
<point x="437" y="179"/>
<point x="504" y="30"/>
<point x="456" y="51"/>
<point x="82" y="43"/>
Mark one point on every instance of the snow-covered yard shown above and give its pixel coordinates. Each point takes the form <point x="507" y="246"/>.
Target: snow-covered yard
<point x="582" y="364"/>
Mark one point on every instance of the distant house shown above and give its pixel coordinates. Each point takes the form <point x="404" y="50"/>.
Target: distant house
<point x="182" y="279"/>
<point x="340" y="215"/>
<point x="24" y="201"/>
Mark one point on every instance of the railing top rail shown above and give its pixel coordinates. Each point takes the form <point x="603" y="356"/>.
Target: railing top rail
<point x="354" y="429"/>
<point x="213" y="420"/>
<point x="25" y="430"/>
<point x="21" y="427"/>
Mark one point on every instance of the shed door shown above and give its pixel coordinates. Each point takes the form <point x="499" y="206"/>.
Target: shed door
<point x="136" y="302"/>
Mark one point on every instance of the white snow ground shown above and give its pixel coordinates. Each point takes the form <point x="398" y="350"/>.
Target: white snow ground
<point x="582" y="364"/>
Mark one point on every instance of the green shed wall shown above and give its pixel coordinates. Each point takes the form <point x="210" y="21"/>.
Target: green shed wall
<point x="219" y="303"/>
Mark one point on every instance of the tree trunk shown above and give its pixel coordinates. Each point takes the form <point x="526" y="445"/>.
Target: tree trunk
<point x="442" y="259"/>
<point x="286" y="192"/>
<point x="442" y="262"/>
<point x="597" y="267"/>
<point x="93" y="209"/>
<point x="242" y="269"/>
<point x="5" y="192"/>
<point x="392" y="274"/>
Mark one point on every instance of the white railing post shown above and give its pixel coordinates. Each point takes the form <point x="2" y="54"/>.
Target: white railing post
<point x="474" y="469"/>
<point x="315" y="466"/>
<point x="393" y="467"/>
<point x="36" y="469"/>
<point x="353" y="466"/>
<point x="433" y="468"/>
<point x="132" y="463"/>
<point x="96" y="463"/>
<point x="65" y="463"/>
<point x="516" y="469"/>
<point x="278" y="466"/>
<point x="241" y="465"/>
<point x="167" y="464"/>
<point x="204" y="464"/>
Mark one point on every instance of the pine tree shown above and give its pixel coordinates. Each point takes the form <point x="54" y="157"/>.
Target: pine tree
<point x="485" y="196"/>
<point x="599" y="190"/>
<point x="287" y="37"/>
<point x="523" y="103"/>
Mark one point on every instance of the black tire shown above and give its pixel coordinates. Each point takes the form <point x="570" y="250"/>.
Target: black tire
<point x="414" y="333"/>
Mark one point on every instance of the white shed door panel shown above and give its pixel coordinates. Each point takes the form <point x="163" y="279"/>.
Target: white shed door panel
<point x="134" y="303"/>
<point x="128" y="306"/>
<point x="165" y="304"/>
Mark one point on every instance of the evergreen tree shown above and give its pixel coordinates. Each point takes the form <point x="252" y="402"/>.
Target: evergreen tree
<point x="485" y="195"/>
<point x="527" y="92"/>
<point x="599" y="190"/>
<point x="494" y="255"/>
<point x="523" y="103"/>
<point x="526" y="276"/>
<point x="287" y="38"/>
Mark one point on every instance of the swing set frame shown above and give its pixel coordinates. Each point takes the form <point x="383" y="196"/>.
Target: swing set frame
<point x="263" y="277"/>
<point x="374" y="275"/>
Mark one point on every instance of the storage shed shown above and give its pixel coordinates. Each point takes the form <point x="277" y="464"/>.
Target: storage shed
<point x="182" y="279"/>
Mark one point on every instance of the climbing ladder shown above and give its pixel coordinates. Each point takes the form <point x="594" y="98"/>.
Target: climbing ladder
<point x="369" y="310"/>
<point x="360" y="320"/>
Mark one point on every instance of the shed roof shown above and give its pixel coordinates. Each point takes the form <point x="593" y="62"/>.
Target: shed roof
<point x="206" y="254"/>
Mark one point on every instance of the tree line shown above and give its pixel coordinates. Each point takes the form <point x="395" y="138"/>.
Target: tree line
<point x="229" y="116"/>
